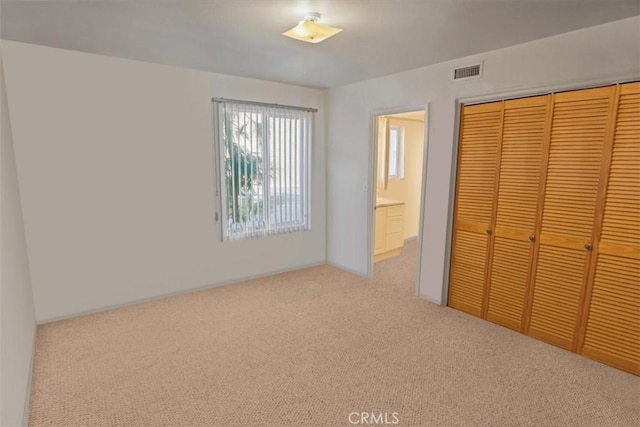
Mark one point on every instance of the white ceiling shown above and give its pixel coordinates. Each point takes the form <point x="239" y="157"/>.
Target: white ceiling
<point x="242" y="37"/>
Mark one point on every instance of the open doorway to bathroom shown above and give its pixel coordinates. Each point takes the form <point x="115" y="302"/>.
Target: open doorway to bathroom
<point x="399" y="170"/>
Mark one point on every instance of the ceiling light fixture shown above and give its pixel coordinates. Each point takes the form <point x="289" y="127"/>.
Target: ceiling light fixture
<point x="309" y="30"/>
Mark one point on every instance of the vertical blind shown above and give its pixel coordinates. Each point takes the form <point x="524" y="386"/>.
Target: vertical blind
<point x="264" y="168"/>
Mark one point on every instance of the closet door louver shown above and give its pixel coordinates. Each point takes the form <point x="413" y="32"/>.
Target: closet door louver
<point x="613" y="324"/>
<point x="480" y="138"/>
<point x="579" y="129"/>
<point x="523" y="137"/>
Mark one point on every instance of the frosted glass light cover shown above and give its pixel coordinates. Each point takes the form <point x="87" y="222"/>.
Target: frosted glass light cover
<point x="312" y="32"/>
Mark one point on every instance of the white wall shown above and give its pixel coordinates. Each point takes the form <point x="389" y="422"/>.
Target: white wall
<point x="115" y="163"/>
<point x="17" y="316"/>
<point x="408" y="189"/>
<point x="592" y="54"/>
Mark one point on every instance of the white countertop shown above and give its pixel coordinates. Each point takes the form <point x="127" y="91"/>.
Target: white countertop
<point x="381" y="201"/>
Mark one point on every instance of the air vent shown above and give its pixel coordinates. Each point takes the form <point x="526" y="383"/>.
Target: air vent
<point x="472" y="71"/>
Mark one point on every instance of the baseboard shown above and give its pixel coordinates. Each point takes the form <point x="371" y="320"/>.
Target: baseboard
<point x="409" y="239"/>
<point x="176" y="293"/>
<point x="386" y="255"/>
<point x="25" y="416"/>
<point x="347" y="269"/>
<point x="431" y="301"/>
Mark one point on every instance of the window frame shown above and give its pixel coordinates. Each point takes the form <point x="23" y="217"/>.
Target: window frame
<point x="400" y="153"/>
<point x="299" y="171"/>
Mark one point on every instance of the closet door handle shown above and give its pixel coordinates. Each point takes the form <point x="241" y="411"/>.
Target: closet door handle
<point x="488" y="230"/>
<point x="532" y="238"/>
<point x="588" y="246"/>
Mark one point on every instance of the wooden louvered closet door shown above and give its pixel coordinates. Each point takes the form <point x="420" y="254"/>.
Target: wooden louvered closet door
<point x="547" y="220"/>
<point x="480" y="136"/>
<point x="612" y="332"/>
<point x="581" y="120"/>
<point x="525" y="129"/>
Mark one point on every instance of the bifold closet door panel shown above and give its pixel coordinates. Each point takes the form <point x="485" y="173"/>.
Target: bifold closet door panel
<point x="481" y="129"/>
<point x="613" y="324"/>
<point x="525" y="129"/>
<point x="578" y="133"/>
<point x="613" y="328"/>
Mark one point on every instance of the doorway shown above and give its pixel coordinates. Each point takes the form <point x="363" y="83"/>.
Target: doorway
<point x="398" y="172"/>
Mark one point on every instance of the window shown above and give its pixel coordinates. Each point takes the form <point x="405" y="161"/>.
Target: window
<point x="396" y="153"/>
<point x="264" y="168"/>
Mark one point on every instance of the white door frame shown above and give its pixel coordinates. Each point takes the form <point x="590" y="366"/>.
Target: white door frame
<point x="371" y="194"/>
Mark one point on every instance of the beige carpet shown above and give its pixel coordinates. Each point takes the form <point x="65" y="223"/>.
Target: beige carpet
<point x="309" y="348"/>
